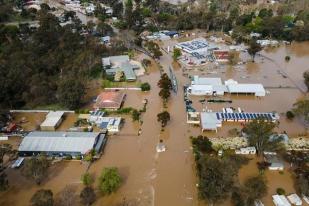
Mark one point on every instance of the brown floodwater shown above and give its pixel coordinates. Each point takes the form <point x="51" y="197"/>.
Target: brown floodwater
<point x="168" y="178"/>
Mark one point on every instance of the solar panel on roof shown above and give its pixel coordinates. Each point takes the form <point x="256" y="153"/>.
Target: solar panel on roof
<point x="236" y="115"/>
<point x="269" y="116"/>
<point x="247" y="116"/>
<point x="225" y="115"/>
<point x="229" y="115"/>
<point x="240" y="116"/>
<point x="222" y="116"/>
<point x="233" y="116"/>
<point x="254" y="116"/>
<point x="218" y="117"/>
<point x="251" y="116"/>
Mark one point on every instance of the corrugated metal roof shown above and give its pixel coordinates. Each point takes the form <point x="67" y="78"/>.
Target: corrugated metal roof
<point x="207" y="81"/>
<point x="246" y="88"/>
<point x="58" y="142"/>
<point x="209" y="121"/>
<point x="52" y="119"/>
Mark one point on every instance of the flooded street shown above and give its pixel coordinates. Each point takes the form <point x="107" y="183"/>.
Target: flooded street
<point x="168" y="178"/>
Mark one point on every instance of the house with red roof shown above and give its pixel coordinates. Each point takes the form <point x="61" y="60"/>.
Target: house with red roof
<point x="109" y="100"/>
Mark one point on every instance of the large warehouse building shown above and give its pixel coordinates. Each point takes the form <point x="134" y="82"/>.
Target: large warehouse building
<point x="61" y="143"/>
<point x="213" y="86"/>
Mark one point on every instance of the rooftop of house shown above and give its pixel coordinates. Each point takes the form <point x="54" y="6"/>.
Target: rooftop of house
<point x="109" y="100"/>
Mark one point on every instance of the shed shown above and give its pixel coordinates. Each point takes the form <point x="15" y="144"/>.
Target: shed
<point x="280" y="200"/>
<point x="295" y="199"/>
<point x="209" y="121"/>
<point x="246" y="150"/>
<point x="60" y="143"/>
<point x="256" y="89"/>
<point x="275" y="163"/>
<point x="52" y="121"/>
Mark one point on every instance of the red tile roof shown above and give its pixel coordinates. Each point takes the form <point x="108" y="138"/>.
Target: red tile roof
<point x="109" y="100"/>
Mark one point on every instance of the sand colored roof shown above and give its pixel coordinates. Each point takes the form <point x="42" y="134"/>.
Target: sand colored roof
<point x="109" y="100"/>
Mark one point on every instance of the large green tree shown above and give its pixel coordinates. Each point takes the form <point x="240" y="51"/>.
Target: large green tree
<point x="301" y="108"/>
<point x="254" y="48"/>
<point x="216" y="179"/>
<point x="71" y="92"/>
<point x="163" y="117"/>
<point x="36" y="168"/>
<point x="259" y="132"/>
<point x="109" y="180"/>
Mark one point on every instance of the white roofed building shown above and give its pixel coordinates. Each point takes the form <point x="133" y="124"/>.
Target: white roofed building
<point x="61" y="143"/>
<point x="214" y="86"/>
<point x="52" y="121"/>
<point x="280" y="200"/>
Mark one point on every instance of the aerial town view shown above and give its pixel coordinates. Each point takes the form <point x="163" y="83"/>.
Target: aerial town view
<point x="154" y="102"/>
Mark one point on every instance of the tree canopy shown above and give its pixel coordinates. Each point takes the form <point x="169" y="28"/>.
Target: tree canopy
<point x="36" y="168"/>
<point x="259" y="132"/>
<point x="109" y="180"/>
<point x="42" y="198"/>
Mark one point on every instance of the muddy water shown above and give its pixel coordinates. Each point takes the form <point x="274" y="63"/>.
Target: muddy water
<point x="168" y="178"/>
<point x="60" y="175"/>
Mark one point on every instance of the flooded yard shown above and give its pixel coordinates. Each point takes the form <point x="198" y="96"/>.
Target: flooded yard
<point x="168" y="178"/>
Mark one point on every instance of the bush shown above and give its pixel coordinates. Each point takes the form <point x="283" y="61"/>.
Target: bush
<point x="287" y="58"/>
<point x="78" y="157"/>
<point x="280" y="191"/>
<point x="68" y="157"/>
<point x="145" y="86"/>
<point x="109" y="181"/>
<point x="290" y="115"/>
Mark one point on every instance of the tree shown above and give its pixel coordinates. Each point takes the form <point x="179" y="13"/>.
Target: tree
<point x="256" y="187"/>
<point x="306" y="79"/>
<point x="36" y="168"/>
<point x="5" y="149"/>
<point x="290" y="115"/>
<point x="302" y="183"/>
<point x="109" y="181"/>
<point x="202" y="144"/>
<point x="105" y="29"/>
<point x="87" y="179"/>
<point x="163" y="117"/>
<point x="176" y="54"/>
<point x="301" y="108"/>
<point x="129" y="12"/>
<point x="145" y="86"/>
<point x="136" y="115"/>
<point x="216" y="179"/>
<point x="165" y="94"/>
<point x="166" y="85"/>
<point x="233" y="57"/>
<point x="165" y="82"/>
<point x="254" y="48"/>
<point x="67" y="197"/>
<point x="259" y="132"/>
<point x="42" y="198"/>
<point x="87" y="196"/>
<point x="71" y="92"/>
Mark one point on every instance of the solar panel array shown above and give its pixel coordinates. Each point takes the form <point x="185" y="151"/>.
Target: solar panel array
<point x="198" y="56"/>
<point x="194" y="45"/>
<point x="245" y="116"/>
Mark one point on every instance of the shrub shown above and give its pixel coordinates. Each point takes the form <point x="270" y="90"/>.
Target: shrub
<point x="78" y="157"/>
<point x="280" y="191"/>
<point x="145" y="86"/>
<point x="68" y="157"/>
<point x="287" y="58"/>
<point x="290" y="115"/>
<point x="109" y="181"/>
